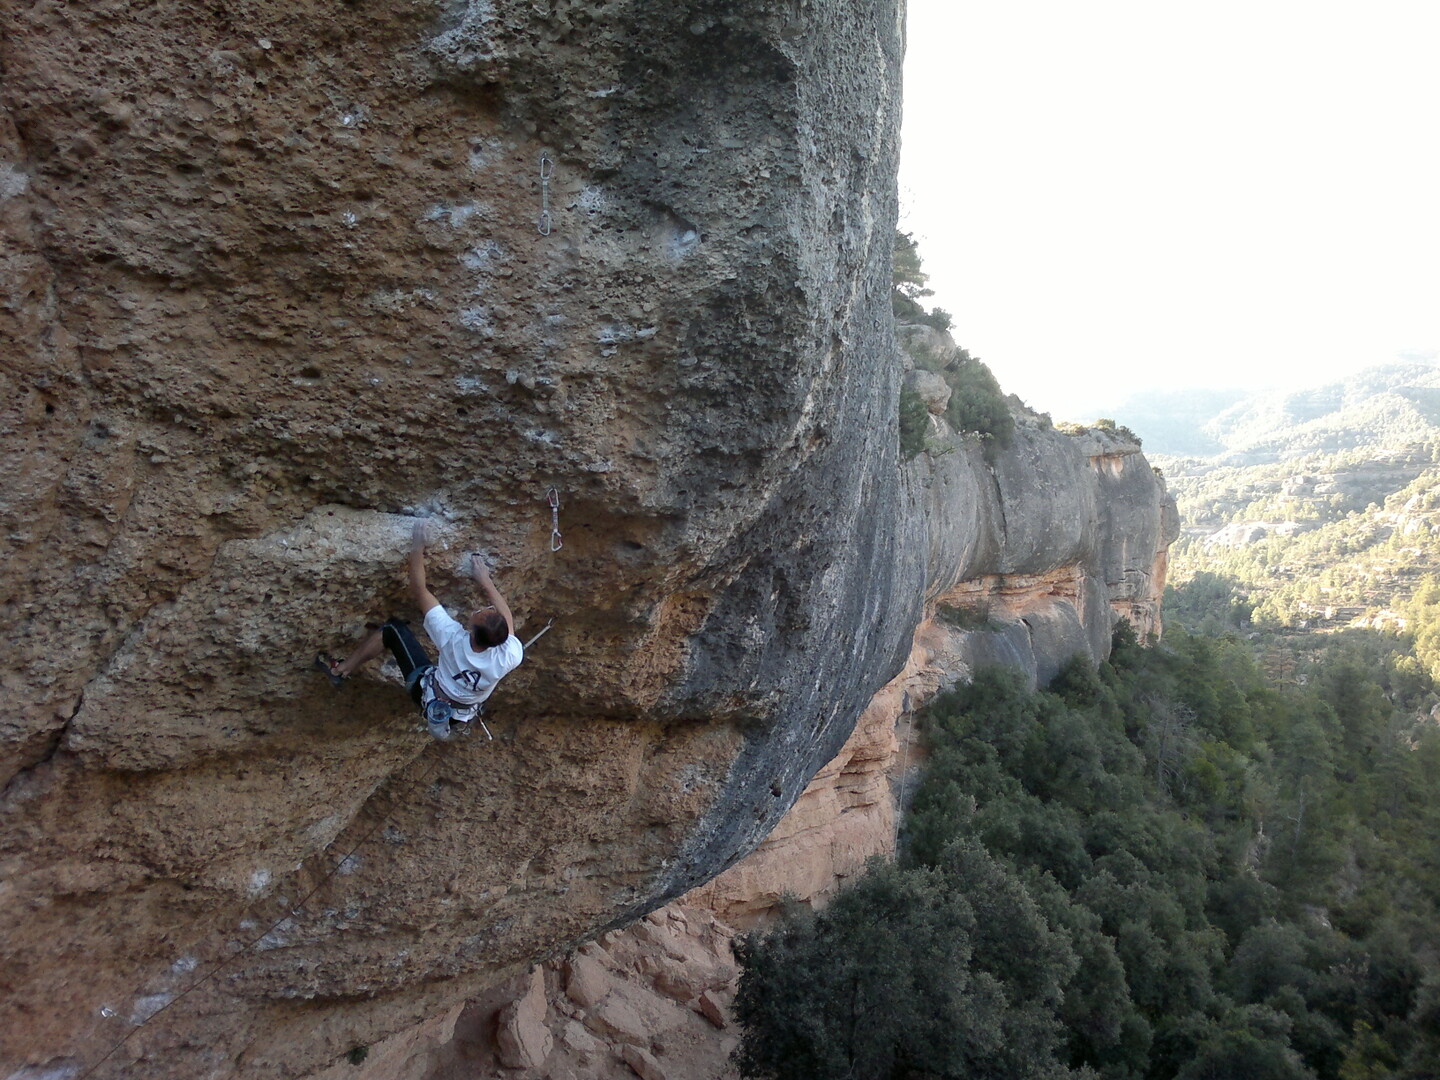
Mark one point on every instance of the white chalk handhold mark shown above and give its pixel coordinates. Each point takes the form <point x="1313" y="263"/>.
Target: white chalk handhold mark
<point x="13" y="182"/>
<point x="148" y="1006"/>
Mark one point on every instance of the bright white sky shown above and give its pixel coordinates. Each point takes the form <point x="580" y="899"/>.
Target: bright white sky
<point x="1124" y="194"/>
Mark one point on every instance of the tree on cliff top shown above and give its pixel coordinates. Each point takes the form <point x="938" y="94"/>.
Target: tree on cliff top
<point x="907" y="278"/>
<point x="977" y="404"/>
<point x="908" y="285"/>
<point x="976" y="401"/>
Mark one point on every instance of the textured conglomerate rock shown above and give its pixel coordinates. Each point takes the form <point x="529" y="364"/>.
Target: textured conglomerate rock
<point x="273" y="281"/>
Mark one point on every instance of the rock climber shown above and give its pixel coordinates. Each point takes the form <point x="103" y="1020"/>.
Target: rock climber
<point x="473" y="656"/>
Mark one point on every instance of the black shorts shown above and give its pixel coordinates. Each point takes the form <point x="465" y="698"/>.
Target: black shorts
<point x="408" y="652"/>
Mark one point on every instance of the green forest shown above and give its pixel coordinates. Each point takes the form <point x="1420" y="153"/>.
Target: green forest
<point x="1317" y="541"/>
<point x="1180" y="865"/>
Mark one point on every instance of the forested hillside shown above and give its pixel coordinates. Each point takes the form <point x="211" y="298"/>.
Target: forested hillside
<point x="1324" y="542"/>
<point x="1171" y="867"/>
<point x="1319" y="509"/>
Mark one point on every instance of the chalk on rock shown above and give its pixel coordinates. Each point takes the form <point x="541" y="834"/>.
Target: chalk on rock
<point x="464" y="565"/>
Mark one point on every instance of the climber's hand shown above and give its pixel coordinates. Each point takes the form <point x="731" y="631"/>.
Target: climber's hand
<point x="420" y="535"/>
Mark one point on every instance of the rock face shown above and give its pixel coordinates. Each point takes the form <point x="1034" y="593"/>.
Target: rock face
<point x="276" y="282"/>
<point x="933" y="390"/>
<point x="848" y="812"/>
<point x="278" y="278"/>
<point x="652" y="1000"/>
<point x="845" y="815"/>
<point x="1049" y="546"/>
<point x="1023" y="598"/>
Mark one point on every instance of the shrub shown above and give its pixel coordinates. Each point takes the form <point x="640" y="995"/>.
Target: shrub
<point x="904" y="308"/>
<point x="939" y="318"/>
<point x="1108" y="425"/>
<point x="914" y="420"/>
<point x="976" y="401"/>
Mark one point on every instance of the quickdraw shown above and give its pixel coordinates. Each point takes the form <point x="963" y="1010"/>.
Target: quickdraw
<point x="556" y="541"/>
<point x="547" y="170"/>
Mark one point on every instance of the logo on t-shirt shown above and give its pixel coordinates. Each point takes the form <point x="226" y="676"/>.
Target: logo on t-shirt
<point x="471" y="679"/>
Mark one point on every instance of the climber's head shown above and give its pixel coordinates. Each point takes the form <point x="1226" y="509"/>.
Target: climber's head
<point x="487" y="628"/>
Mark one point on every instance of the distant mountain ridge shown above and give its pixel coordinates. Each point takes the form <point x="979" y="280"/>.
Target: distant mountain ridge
<point x="1386" y="406"/>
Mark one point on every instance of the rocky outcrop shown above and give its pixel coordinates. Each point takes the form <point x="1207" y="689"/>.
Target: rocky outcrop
<point x="1043" y="550"/>
<point x="273" y="285"/>
<point x="652" y="1000"/>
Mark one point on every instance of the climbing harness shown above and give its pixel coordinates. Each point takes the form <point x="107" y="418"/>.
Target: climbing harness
<point x="556" y="541"/>
<point x="547" y="170"/>
<point x="291" y="912"/>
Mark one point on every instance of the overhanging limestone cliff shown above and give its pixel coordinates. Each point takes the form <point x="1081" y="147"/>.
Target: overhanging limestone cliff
<point x="276" y="282"/>
<point x="587" y="1013"/>
<point x="273" y="282"/>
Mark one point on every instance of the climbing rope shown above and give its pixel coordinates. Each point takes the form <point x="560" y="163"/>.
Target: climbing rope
<point x="291" y="912"/>
<point x="545" y="629"/>
<point x="556" y="541"/>
<point x="547" y="170"/>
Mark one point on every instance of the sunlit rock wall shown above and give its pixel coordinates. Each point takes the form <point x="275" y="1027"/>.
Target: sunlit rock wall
<point x="272" y="282"/>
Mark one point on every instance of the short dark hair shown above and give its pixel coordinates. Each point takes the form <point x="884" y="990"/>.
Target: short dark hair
<point x="492" y="629"/>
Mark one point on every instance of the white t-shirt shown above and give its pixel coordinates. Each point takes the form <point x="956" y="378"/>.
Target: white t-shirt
<point x="464" y="675"/>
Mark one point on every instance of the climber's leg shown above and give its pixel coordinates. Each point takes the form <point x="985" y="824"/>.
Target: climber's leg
<point x="367" y="650"/>
<point x="414" y="661"/>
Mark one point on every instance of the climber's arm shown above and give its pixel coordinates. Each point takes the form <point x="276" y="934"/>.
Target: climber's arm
<point x="481" y="573"/>
<point x="421" y="595"/>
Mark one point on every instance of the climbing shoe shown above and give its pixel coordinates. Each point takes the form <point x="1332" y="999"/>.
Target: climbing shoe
<point x="327" y="663"/>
